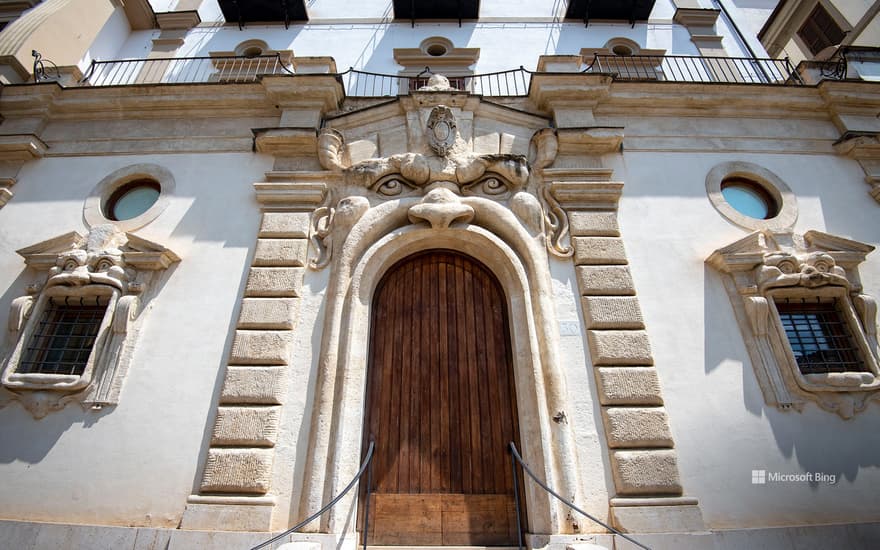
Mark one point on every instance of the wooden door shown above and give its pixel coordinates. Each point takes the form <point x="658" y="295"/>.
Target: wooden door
<point x="440" y="406"/>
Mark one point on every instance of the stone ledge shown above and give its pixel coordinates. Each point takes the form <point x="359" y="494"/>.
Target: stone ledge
<point x="620" y="347"/>
<point x="202" y="516"/>
<point x="274" y="282"/>
<point x="646" y="472"/>
<point x="628" y="386"/>
<point x="627" y="427"/>
<point x="260" y="347"/>
<point x="598" y="251"/>
<point x="253" y="385"/>
<point x="593" y="224"/>
<point x="247" y="426"/>
<point x="268" y="313"/>
<point x="605" y="281"/>
<point x="612" y="312"/>
<point x="238" y="471"/>
<point x="677" y="518"/>
<point x="281" y="252"/>
<point x="285" y="225"/>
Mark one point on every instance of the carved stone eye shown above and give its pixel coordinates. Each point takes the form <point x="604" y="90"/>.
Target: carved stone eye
<point x="70" y="265"/>
<point x="104" y="265"/>
<point x="392" y="187"/>
<point x="787" y="267"/>
<point x="494" y="186"/>
<point x="491" y="186"/>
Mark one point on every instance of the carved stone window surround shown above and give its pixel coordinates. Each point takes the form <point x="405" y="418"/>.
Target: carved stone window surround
<point x="764" y="267"/>
<point x="62" y="382"/>
<point x="105" y="263"/>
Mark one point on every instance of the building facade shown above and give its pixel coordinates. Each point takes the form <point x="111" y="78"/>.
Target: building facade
<point x="254" y="250"/>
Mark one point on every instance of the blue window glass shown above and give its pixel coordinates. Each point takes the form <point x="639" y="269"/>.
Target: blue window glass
<point x="748" y="199"/>
<point x="132" y="199"/>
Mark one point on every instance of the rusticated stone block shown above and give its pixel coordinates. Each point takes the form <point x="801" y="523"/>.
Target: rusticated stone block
<point x="605" y="280"/>
<point x="637" y="427"/>
<point x="260" y="347"/>
<point x="275" y="281"/>
<point x="248" y="426"/>
<point x="268" y="313"/>
<point x="612" y="312"/>
<point x="620" y="347"/>
<point x="598" y="251"/>
<point x="646" y="472"/>
<point x="238" y="471"/>
<point x="286" y="225"/>
<point x="593" y="224"/>
<point x="629" y="386"/>
<point x="257" y="385"/>
<point x="281" y="252"/>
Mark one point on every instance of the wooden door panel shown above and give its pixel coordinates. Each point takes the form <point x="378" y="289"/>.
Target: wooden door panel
<point x="434" y="519"/>
<point x="441" y="405"/>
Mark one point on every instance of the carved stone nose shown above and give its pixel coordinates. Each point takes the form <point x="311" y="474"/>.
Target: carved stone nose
<point x="440" y="208"/>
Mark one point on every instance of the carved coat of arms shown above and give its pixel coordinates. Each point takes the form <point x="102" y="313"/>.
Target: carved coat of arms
<point x="441" y="130"/>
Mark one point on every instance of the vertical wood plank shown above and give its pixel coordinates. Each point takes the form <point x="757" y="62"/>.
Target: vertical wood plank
<point x="441" y="404"/>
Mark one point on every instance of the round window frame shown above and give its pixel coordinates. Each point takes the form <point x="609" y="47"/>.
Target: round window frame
<point x="104" y="191"/>
<point x="112" y="202"/>
<point x="436" y="42"/>
<point x="251" y="44"/>
<point x="771" y="184"/>
<point x="620" y="41"/>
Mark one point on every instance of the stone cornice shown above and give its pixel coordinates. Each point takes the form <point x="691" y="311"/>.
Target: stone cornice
<point x="696" y="17"/>
<point x="178" y="19"/>
<point x="712" y="99"/>
<point x="285" y="141"/>
<point x="550" y="89"/>
<point x="21" y="147"/>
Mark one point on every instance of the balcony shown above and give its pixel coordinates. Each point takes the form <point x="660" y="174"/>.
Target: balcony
<point x="511" y="83"/>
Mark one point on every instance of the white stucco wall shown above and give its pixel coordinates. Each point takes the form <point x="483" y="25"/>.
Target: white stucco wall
<point x="722" y="427"/>
<point x="136" y="463"/>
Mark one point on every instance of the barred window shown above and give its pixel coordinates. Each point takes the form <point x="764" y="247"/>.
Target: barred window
<point x="820" y="338"/>
<point x="64" y="336"/>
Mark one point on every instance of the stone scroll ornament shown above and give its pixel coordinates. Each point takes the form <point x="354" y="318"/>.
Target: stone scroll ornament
<point x="446" y="173"/>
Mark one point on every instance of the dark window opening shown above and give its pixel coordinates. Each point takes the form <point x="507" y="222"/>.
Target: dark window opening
<point x="64" y="336"/>
<point x="819" y="336"/>
<point x="820" y="30"/>
<point x="457" y="82"/>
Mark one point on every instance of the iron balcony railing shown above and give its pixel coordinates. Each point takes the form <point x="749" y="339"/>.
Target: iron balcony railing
<point x="183" y="70"/>
<point x="513" y="83"/>
<point x="689" y="68"/>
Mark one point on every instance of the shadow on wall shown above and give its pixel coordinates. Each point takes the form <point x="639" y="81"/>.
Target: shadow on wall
<point x="820" y="440"/>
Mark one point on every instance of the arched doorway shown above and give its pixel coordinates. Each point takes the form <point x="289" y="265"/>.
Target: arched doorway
<point x="440" y="406"/>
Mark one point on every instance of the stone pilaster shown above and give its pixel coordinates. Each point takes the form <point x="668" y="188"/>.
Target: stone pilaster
<point x="235" y="492"/>
<point x="643" y="460"/>
<point x="700" y="23"/>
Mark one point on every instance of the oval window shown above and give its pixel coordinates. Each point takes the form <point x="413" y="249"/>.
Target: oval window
<point x="749" y="198"/>
<point x="132" y="199"/>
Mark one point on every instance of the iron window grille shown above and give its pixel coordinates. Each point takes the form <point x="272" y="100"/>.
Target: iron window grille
<point x="64" y="336"/>
<point x="820" y="337"/>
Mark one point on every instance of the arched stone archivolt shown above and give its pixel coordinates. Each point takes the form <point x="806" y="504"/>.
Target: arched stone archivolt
<point x="376" y="239"/>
